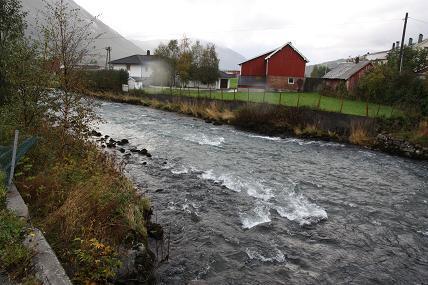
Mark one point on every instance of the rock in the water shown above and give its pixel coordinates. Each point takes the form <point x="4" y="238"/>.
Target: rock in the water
<point x="148" y="155"/>
<point x="134" y="150"/>
<point x="208" y="121"/>
<point x="144" y="163"/>
<point x="155" y="230"/>
<point x="158" y="190"/>
<point x="111" y="145"/>
<point x="122" y="150"/>
<point x="95" y="133"/>
<point x="217" y="123"/>
<point x="137" y="266"/>
<point x="124" y="141"/>
<point x="143" y="151"/>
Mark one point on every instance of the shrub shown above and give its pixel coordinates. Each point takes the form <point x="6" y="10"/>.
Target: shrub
<point x="360" y="134"/>
<point x="106" y="80"/>
<point x="14" y="257"/>
<point x="98" y="261"/>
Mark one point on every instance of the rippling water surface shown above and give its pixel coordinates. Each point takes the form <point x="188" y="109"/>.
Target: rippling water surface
<point x="249" y="209"/>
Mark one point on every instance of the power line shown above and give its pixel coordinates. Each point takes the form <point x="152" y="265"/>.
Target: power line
<point x="422" y="21"/>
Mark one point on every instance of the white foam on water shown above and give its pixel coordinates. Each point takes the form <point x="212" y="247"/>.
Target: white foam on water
<point x="257" y="190"/>
<point x="265" y="137"/>
<point x="203" y="139"/>
<point x="277" y="255"/>
<point x="258" y="215"/>
<point x="299" y="209"/>
<point x="226" y="180"/>
<point x="179" y="170"/>
<point x="423" y="233"/>
<point x="319" y="143"/>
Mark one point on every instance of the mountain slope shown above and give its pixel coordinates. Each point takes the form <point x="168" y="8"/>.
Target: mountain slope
<point x="229" y="59"/>
<point x="121" y="47"/>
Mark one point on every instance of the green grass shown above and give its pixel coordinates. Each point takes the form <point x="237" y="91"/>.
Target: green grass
<point x="309" y="99"/>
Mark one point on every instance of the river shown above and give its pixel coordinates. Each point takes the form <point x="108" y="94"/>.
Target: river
<point x="249" y="209"/>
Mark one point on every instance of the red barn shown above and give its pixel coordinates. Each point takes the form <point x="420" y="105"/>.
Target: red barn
<point x="347" y="72"/>
<point x="279" y="69"/>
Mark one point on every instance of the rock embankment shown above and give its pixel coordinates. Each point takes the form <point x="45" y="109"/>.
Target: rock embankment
<point x="391" y="145"/>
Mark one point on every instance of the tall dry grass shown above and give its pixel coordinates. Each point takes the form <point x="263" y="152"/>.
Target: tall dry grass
<point x="360" y="134"/>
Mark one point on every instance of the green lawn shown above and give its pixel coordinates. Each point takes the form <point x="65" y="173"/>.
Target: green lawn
<point x="309" y="99"/>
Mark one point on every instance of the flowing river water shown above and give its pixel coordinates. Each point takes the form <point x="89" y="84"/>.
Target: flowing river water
<point x="249" y="209"/>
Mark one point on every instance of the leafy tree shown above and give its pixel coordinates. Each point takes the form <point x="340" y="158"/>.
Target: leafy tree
<point x="67" y="41"/>
<point x="385" y="84"/>
<point x="12" y="27"/>
<point x="209" y="71"/>
<point x="170" y="54"/>
<point x="190" y="62"/>
<point x="319" y="71"/>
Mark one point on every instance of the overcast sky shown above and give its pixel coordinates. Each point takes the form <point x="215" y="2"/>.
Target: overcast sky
<point x="321" y="30"/>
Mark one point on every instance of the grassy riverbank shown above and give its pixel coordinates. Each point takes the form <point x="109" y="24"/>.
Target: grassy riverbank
<point x="291" y="99"/>
<point x="301" y="122"/>
<point x="15" y="258"/>
<point x="89" y="211"/>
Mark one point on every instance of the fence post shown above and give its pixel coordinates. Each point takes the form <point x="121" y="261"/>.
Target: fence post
<point x="341" y="104"/>
<point x="280" y="95"/>
<point x="12" y="165"/>
<point x="222" y="99"/>
<point x="210" y="92"/>
<point x="298" y="99"/>
<point x="234" y="94"/>
<point x="264" y="94"/>
<point x="319" y="101"/>
<point x="248" y="95"/>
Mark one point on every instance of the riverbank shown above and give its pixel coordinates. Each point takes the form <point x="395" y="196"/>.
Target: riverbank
<point x="378" y="134"/>
<point x="96" y="220"/>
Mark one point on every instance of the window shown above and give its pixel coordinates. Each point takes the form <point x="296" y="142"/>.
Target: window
<point x="290" y="80"/>
<point x="128" y="67"/>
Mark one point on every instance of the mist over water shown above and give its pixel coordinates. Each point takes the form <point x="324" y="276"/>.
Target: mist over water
<point x="250" y="209"/>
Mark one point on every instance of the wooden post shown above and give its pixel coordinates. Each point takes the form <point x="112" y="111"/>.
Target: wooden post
<point x="234" y="94"/>
<point x="13" y="162"/>
<point x="298" y="100"/>
<point x="378" y="109"/>
<point x="248" y="95"/>
<point x="210" y="92"/>
<point x="280" y="95"/>
<point x="198" y="91"/>
<point x="319" y="102"/>
<point x="264" y="94"/>
<point x="341" y="104"/>
<point x="222" y="95"/>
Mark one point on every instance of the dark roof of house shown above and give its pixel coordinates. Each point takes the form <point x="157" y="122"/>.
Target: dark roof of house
<point x="223" y="74"/>
<point x="269" y="54"/>
<point x="134" y="59"/>
<point x="345" y="70"/>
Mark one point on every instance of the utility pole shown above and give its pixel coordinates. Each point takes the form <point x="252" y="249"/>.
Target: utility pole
<point x="402" y="42"/>
<point x="108" y="57"/>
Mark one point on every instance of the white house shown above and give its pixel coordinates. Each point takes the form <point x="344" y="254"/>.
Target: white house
<point x="139" y="67"/>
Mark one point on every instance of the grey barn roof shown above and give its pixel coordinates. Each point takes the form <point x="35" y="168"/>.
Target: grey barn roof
<point x="345" y="70"/>
<point x="134" y="59"/>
